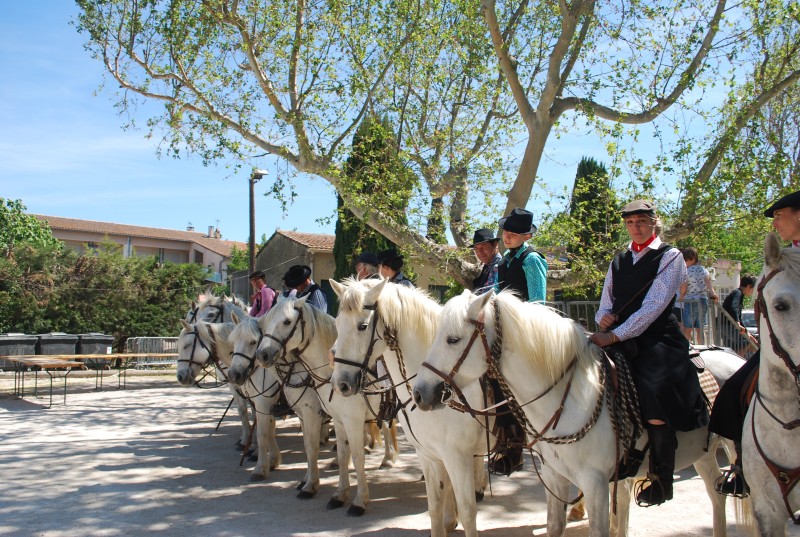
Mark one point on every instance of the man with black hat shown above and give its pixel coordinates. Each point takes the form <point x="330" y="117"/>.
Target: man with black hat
<point x="730" y="408"/>
<point x="485" y="246"/>
<point x="367" y="266"/>
<point x="522" y="268"/>
<point x="636" y="308"/>
<point x="264" y="296"/>
<point x="390" y="265"/>
<point x="298" y="278"/>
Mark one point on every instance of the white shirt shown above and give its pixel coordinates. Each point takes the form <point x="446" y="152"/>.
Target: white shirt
<point x="665" y="286"/>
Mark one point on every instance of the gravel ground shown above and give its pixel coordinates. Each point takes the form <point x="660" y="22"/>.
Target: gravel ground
<point x="148" y="461"/>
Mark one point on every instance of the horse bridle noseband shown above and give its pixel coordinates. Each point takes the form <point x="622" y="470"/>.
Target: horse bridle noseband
<point x="363" y="366"/>
<point x="787" y="478"/>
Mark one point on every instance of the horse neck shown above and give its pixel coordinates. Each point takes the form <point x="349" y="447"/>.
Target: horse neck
<point x="413" y="347"/>
<point x="317" y="345"/>
<point x="775" y="381"/>
<point x="224" y="350"/>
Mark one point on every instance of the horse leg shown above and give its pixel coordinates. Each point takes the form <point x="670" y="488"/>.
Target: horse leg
<point x="619" y="521"/>
<point x="461" y="470"/>
<point x="241" y="407"/>
<point x="595" y="492"/>
<point x="354" y="427"/>
<point x="708" y="469"/>
<point x="389" y="446"/>
<point x="435" y="488"/>
<point x="342" y="493"/>
<point x="480" y="478"/>
<point x="556" y="508"/>
<point x="269" y="456"/>
<point x="311" y="424"/>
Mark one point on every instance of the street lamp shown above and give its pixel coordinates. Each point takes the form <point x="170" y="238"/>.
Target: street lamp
<point x="254" y="177"/>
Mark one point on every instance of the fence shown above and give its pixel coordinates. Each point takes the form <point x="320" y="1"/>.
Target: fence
<point x="156" y="345"/>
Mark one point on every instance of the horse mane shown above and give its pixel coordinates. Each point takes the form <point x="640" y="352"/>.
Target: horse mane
<point x="556" y="340"/>
<point x="410" y="307"/>
<point x="789" y="261"/>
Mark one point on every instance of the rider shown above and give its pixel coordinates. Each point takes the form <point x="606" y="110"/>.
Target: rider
<point x="730" y="407"/>
<point x="485" y="246"/>
<point x="298" y="278"/>
<point x="367" y="266"/>
<point x="264" y="296"/>
<point x="636" y="308"/>
<point x="390" y="265"/>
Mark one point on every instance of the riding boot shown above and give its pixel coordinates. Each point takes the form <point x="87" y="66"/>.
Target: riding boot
<point x="629" y="465"/>
<point x="732" y="481"/>
<point x="281" y="407"/>
<point x="662" y="464"/>
<point x="508" y="457"/>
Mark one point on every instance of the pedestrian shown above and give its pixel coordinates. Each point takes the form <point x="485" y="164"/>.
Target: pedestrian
<point x="390" y="265"/>
<point x="367" y="266"/>
<point x="486" y="248"/>
<point x="522" y="269"/>
<point x="298" y="278"/>
<point x="264" y="296"/>
<point x="694" y="293"/>
<point x="737" y="337"/>
<point x="636" y="308"/>
<point x="730" y="407"/>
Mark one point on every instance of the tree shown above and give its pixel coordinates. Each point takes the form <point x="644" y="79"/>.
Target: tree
<point x="296" y="79"/>
<point x="17" y="227"/>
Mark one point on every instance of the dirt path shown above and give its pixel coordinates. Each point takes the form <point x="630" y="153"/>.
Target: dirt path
<point x="147" y="461"/>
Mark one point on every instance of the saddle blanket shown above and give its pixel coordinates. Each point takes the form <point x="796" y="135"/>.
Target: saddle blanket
<point x="709" y="386"/>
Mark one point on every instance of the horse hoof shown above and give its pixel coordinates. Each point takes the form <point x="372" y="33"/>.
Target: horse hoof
<point x="333" y="503"/>
<point x="333" y="466"/>
<point x="238" y="446"/>
<point x="305" y="495"/>
<point x="387" y="464"/>
<point x="256" y="478"/>
<point x="478" y="495"/>
<point x="355" y="510"/>
<point x="301" y="485"/>
<point x="253" y="457"/>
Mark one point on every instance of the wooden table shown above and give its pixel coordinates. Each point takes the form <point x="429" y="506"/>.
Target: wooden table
<point x="52" y="365"/>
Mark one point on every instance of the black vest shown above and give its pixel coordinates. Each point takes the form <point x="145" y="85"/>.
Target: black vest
<point x="510" y="274"/>
<point x="632" y="282"/>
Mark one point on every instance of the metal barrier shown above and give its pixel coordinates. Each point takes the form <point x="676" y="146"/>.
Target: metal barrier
<point x="156" y="345"/>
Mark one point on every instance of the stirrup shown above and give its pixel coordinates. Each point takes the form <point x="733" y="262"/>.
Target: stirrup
<point x="500" y="463"/>
<point x="280" y="410"/>
<point x="651" y="491"/>
<point x="629" y="465"/>
<point x="732" y="483"/>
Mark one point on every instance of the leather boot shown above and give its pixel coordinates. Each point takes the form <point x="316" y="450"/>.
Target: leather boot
<point x="662" y="464"/>
<point x="508" y="458"/>
<point x="281" y="407"/>
<point x="630" y="463"/>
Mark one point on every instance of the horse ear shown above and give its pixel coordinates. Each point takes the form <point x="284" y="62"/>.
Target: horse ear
<point x="477" y="304"/>
<point x="301" y="301"/>
<point x="235" y="318"/>
<point x="371" y="296"/>
<point x="186" y="325"/>
<point x="772" y="250"/>
<point x="337" y="287"/>
<point x="194" y="305"/>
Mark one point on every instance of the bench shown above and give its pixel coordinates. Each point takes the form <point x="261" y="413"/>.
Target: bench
<point x="54" y="366"/>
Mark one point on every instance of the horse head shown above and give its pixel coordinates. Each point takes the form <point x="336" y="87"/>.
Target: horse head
<point x="458" y="354"/>
<point x="194" y="351"/>
<point x="358" y="342"/>
<point x="284" y="329"/>
<point x="245" y="339"/>
<point x="778" y="306"/>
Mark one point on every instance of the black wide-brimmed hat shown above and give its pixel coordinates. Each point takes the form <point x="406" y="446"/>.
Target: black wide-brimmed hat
<point x="258" y="274"/>
<point x="789" y="200"/>
<point x="386" y="256"/>
<point x="483" y="235"/>
<point x="296" y="275"/>
<point x="639" y="207"/>
<point x="519" y="221"/>
<point x="367" y="257"/>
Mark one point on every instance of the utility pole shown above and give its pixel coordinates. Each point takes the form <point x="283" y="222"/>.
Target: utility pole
<point x="254" y="177"/>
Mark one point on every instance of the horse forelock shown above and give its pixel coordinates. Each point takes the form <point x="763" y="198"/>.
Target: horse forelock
<point x="543" y="337"/>
<point x="352" y="298"/>
<point x="788" y="261"/>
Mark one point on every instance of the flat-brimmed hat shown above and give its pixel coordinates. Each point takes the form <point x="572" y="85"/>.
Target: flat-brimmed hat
<point x="638" y="207"/>
<point x="258" y="274"/>
<point x="387" y="256"/>
<point x="368" y="258"/>
<point x="789" y="200"/>
<point x="296" y="275"/>
<point x="483" y="235"/>
<point x="519" y="221"/>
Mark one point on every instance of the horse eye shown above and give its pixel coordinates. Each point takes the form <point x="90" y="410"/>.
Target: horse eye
<point x="253" y="343"/>
<point x="452" y="340"/>
<point x="362" y="327"/>
<point x="781" y="306"/>
<point x="287" y="322"/>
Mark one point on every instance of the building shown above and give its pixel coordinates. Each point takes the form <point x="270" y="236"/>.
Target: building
<point x="167" y="244"/>
<point x="286" y="248"/>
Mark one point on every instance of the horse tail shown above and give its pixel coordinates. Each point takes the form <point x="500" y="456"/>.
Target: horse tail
<point x="745" y="520"/>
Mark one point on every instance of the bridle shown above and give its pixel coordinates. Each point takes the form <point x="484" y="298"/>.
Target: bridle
<point x="211" y="350"/>
<point x="217" y="316"/>
<point x="363" y="366"/>
<point x="787" y="478"/>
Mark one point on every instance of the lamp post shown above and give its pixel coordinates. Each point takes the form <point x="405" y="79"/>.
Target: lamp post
<point x="254" y="177"/>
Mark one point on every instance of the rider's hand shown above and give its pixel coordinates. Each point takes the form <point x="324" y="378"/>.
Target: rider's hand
<point x="607" y="320"/>
<point x="603" y="339"/>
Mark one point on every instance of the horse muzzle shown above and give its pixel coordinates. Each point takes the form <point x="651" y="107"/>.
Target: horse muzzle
<point x="430" y="396"/>
<point x="347" y="384"/>
<point x="237" y="375"/>
<point x="185" y="377"/>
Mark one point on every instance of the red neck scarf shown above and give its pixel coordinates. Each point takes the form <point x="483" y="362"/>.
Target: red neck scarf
<point x="639" y="247"/>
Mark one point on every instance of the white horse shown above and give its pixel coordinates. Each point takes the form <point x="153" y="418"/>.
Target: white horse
<point x="205" y="343"/>
<point x="771" y="434"/>
<point x="295" y="339"/>
<point x="376" y="318"/>
<point x="541" y="354"/>
<point x="212" y="309"/>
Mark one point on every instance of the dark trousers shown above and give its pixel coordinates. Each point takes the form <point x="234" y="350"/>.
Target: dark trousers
<point x="730" y="406"/>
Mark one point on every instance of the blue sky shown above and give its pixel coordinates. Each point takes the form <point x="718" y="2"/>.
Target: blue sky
<point x="63" y="151"/>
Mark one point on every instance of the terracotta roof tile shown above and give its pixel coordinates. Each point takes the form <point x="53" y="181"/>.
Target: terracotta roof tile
<point x="219" y="246"/>
<point x="317" y="241"/>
